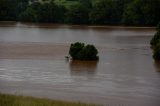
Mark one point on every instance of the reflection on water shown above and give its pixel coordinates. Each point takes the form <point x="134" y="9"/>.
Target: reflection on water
<point x="157" y="65"/>
<point x="83" y="67"/>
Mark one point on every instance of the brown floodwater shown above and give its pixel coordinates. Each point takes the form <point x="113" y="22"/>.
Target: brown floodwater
<point x="32" y="62"/>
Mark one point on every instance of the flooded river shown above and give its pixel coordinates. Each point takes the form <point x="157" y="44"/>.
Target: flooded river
<point x="32" y="62"/>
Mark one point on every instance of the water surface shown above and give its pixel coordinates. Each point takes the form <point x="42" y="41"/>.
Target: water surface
<point x="32" y="63"/>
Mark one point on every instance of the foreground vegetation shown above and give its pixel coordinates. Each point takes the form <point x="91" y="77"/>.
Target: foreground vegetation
<point x="12" y="100"/>
<point x="95" y="12"/>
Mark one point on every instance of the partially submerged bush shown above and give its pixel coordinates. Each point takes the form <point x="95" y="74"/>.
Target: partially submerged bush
<point x="75" y="50"/>
<point x="154" y="41"/>
<point x="78" y="51"/>
<point x="158" y="27"/>
<point x="155" y="44"/>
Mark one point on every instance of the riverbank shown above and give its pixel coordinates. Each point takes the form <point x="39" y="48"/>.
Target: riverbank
<point x="13" y="100"/>
<point x="52" y="25"/>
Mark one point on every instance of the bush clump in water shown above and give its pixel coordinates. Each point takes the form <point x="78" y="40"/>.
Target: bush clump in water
<point x="155" y="44"/>
<point x="156" y="39"/>
<point x="80" y="51"/>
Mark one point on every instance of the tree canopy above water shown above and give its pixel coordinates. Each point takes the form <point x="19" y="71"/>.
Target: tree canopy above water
<point x="80" y="51"/>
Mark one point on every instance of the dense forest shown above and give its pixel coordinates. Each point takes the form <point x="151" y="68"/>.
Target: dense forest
<point x="93" y="12"/>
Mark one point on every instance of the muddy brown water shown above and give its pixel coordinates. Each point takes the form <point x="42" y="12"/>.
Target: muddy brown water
<point x="32" y="62"/>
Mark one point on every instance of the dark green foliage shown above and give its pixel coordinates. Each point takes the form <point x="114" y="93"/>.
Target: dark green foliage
<point x="75" y="49"/>
<point x="29" y="15"/>
<point x="8" y="10"/>
<point x="158" y="27"/>
<point x="79" y="51"/>
<point x="86" y="3"/>
<point x="142" y="12"/>
<point x="77" y="14"/>
<point x="155" y="44"/>
<point x="102" y="12"/>
<point x="89" y="52"/>
<point x="107" y="12"/>
<point x="43" y="12"/>
<point x="156" y="39"/>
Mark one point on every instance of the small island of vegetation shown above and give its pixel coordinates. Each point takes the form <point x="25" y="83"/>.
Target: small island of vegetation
<point x="80" y="51"/>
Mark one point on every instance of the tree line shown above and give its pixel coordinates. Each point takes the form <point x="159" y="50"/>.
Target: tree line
<point x="94" y="12"/>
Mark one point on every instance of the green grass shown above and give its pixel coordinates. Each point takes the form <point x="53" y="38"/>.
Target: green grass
<point x="12" y="100"/>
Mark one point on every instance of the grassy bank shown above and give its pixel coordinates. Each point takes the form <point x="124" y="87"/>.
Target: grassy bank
<point x="12" y="100"/>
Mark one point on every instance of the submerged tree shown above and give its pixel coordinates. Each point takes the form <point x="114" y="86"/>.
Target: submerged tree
<point x="78" y="51"/>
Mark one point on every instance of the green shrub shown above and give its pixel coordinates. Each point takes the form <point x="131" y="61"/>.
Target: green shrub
<point x="155" y="44"/>
<point x="75" y="49"/>
<point x="155" y="39"/>
<point x="78" y="51"/>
